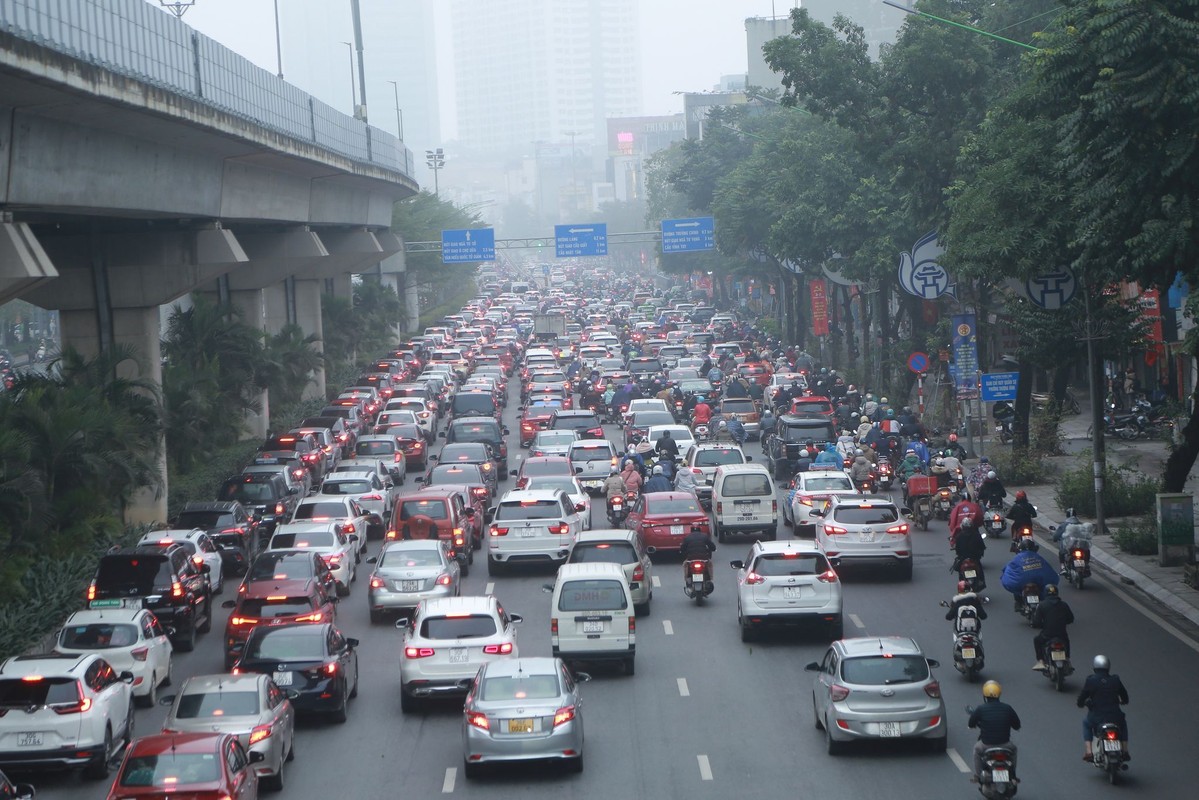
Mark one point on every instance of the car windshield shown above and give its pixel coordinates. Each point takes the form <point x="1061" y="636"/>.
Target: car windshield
<point x="322" y="511"/>
<point x="345" y="487"/>
<point x="173" y="770"/>
<point x="97" y="636"/>
<point x="831" y="483"/>
<point x="769" y="564"/>
<point x="434" y="509"/>
<point x="204" y="519"/>
<point x="884" y="669"/>
<point x="593" y="595"/>
<point x="287" y="645"/>
<point x="468" y="626"/>
<point x="287" y="540"/>
<point x="529" y="509"/>
<point x="866" y="515"/>
<point x="281" y="566"/>
<point x="400" y="558"/>
<point x="273" y="607"/>
<point x="375" y="448"/>
<point x="672" y="505"/>
<point x="18" y="693"/>
<point x="217" y="703"/>
<point x="603" y="553"/>
<point x="751" y="485"/>
<point x="525" y="687"/>
<point x="591" y="454"/>
<point x="138" y="573"/>
<point x="714" y="458"/>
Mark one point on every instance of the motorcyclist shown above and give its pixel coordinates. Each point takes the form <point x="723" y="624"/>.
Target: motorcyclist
<point x="738" y="387"/>
<point x="995" y="721"/>
<point x="860" y="470"/>
<point x="864" y="427"/>
<point x="910" y="465"/>
<point x="979" y="473"/>
<point x="722" y="433"/>
<point x="631" y="477"/>
<point x="614" y="484"/>
<point x="965" y="597"/>
<point x="921" y="450"/>
<point x="1027" y="567"/>
<point x="888" y="424"/>
<point x="845" y="415"/>
<point x="870" y="408"/>
<point x="804" y="461"/>
<point x="939" y="471"/>
<point x="684" y="481"/>
<point x="1021" y="513"/>
<point x="667" y="447"/>
<point x="908" y="426"/>
<point x="715" y="375"/>
<point x="990" y="491"/>
<point x="696" y="546"/>
<point x="633" y="457"/>
<point x="1070" y="534"/>
<point x="657" y="482"/>
<point x="828" y="457"/>
<point x="702" y="413"/>
<point x="853" y="396"/>
<point x="958" y="513"/>
<point x="1053" y="615"/>
<point x="969" y="543"/>
<point x="737" y="431"/>
<point x="1102" y="695"/>
<point x="884" y="406"/>
<point x="955" y="448"/>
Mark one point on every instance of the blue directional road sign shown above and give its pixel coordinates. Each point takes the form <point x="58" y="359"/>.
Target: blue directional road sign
<point x="468" y="244"/>
<point x="998" y="386"/>
<point x="581" y="240"/>
<point x="688" y="235"/>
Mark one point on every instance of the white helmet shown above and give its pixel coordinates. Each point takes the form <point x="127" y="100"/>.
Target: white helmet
<point x="804" y="453"/>
<point x="722" y="425"/>
<point x="883" y="400"/>
<point x="991" y="475"/>
<point x="658" y="470"/>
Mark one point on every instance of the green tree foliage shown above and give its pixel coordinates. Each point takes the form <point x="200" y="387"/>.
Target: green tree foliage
<point x="422" y="218"/>
<point x="361" y="328"/>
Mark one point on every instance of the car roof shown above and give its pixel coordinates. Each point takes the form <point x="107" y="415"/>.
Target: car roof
<point x="294" y="587"/>
<point x="468" y="604"/>
<point x="86" y="615"/>
<point x="49" y="664"/>
<point x="525" y="665"/>
<point x="569" y="571"/>
<point x="413" y="544"/>
<point x="159" y="743"/>
<point x="606" y="535"/>
<point x="878" y="645"/>
<point x="747" y="467"/>
<point x="174" y="534"/>
<point x="379" y="437"/>
<point x="871" y="500"/>
<point x="224" y="681"/>
<point x="211" y="505"/>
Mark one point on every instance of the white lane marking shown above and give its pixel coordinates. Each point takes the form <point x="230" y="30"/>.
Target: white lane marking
<point x="656" y="581"/>
<point x="856" y="620"/>
<point x="1149" y="614"/>
<point x="489" y="588"/>
<point x="451" y="775"/>
<point x="957" y="760"/>
<point x="684" y="690"/>
<point x="667" y="627"/>
<point x="705" y="769"/>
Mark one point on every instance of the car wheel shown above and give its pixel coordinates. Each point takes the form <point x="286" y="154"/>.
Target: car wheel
<point x="816" y="716"/>
<point x="291" y="751"/>
<point x="905" y="570"/>
<point x="207" y="625"/>
<point x="939" y="745"/>
<point x="99" y="767"/>
<point x="576" y="764"/>
<point x="376" y="617"/>
<point x="630" y="665"/>
<point x="642" y="609"/>
<point x="464" y="569"/>
<point x="836" y="630"/>
<point x="472" y="771"/>
<point x="494" y="567"/>
<point x="186" y="642"/>
<point x="720" y="535"/>
<point x="354" y="691"/>
<point x="274" y="782"/>
<point x="833" y="747"/>
<point x="408" y="703"/>
<point x="170" y="672"/>
<point x="150" y="698"/>
<point x="339" y="714"/>
<point x="343" y="590"/>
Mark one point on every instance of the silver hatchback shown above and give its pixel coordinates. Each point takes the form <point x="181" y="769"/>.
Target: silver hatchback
<point x="409" y="571"/>
<point x="877" y="688"/>
<point x="787" y="583"/>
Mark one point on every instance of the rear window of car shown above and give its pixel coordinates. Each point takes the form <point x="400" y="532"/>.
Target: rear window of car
<point x="291" y="644"/>
<point x="475" y="432"/>
<point x="288" y="540"/>
<point x="555" y="437"/>
<point x="645" y="365"/>
<point x="478" y="403"/>
<point x="546" y="468"/>
<point x="738" y="406"/>
<point x="181" y="769"/>
<point x="870" y="515"/>
<point x="434" y="509"/>
<point x="884" y="670"/>
<point x="138" y="573"/>
<point x="409" y="558"/>
<point x="282" y="566"/>
<point x="375" y="448"/>
<point x="319" y="510"/>
<point x="831" y="483"/>
<point x="97" y="636"/>
<point x="217" y="704"/>
<point x="813" y="406"/>
<point x="592" y="595"/>
<point x="591" y="453"/>
<point x="248" y="492"/>
<point x="472" y="626"/>
<point x="753" y="485"/>
<point x="529" y="509"/>
<point x="345" y="487"/>
<point x="816" y="430"/>
<point x="16" y="693"/>
<point x="603" y="553"/>
<point x="406" y="431"/>
<point x="574" y="421"/>
<point x="526" y="687"/>
<point x="272" y="607"/>
<point x="672" y="505"/>
<point x="714" y="458"/>
<point x="776" y="564"/>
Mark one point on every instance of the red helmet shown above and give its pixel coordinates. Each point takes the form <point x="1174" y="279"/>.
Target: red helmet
<point x="953" y="437"/>
<point x="1020" y="495"/>
<point x="963" y="586"/>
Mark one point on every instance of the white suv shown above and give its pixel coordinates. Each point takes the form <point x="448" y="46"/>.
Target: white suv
<point x="532" y="525"/>
<point x="867" y="531"/>
<point x="787" y="583"/>
<point x="64" y="711"/>
<point x="446" y="640"/>
<point x="810" y="491"/>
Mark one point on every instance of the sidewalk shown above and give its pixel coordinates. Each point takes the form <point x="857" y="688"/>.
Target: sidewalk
<point x="1164" y="584"/>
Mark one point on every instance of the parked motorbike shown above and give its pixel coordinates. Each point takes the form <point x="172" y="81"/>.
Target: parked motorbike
<point x="698" y="583"/>
<point x="1057" y="663"/>
<point x="1108" y="751"/>
<point x="1133" y="424"/>
<point x="1070" y="404"/>
<point x="1003" y="414"/>
<point x="967" y="641"/>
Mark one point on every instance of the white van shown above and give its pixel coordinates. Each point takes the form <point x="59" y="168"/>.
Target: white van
<point x="743" y="501"/>
<point x="592" y="616"/>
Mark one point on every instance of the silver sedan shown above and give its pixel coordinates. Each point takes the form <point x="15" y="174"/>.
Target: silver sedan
<point x="523" y="709"/>
<point x="409" y="571"/>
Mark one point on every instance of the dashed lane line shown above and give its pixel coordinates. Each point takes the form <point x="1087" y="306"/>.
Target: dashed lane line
<point x="667" y="627"/>
<point x="656" y="581"/>
<point x="857" y="621"/>
<point x="684" y="690"/>
<point x="489" y="588"/>
<point x="958" y="761"/>
<point x="451" y="777"/>
<point x="705" y="768"/>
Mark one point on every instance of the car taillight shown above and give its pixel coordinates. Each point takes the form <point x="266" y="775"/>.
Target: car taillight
<point x="176" y="589"/>
<point x="753" y="579"/>
<point x="497" y="531"/>
<point x="807" y="501"/>
<point x="391" y="535"/>
<point x="774" y="506"/>
<point x="444" y="580"/>
<point x="498" y="649"/>
<point x="259" y="732"/>
<point x="479" y="491"/>
<point x="140" y="653"/>
<point x="332" y="560"/>
<point x="377" y="583"/>
<point x="238" y="530"/>
<point x="932" y="689"/>
<point x="553" y="626"/>
<point x="719" y="507"/>
<point x="376" y="496"/>
<point x="900" y="529"/>
<point x="564" y="715"/>
<point x="348" y="528"/>
<point x="837" y="692"/>
<point x="418" y="652"/>
<point x="834" y="530"/>
<point x="638" y="573"/>
<point x="239" y="621"/>
<point x="828" y="576"/>
<point x="478" y="719"/>
<point x="314" y="617"/>
<point x="560" y="529"/>
<point x="632" y="624"/>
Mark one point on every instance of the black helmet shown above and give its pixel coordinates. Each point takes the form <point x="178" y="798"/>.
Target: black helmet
<point x="1051" y="590"/>
<point x="1027" y="545"/>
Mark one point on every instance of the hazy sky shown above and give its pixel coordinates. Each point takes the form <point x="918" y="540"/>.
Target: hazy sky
<point x="686" y="45"/>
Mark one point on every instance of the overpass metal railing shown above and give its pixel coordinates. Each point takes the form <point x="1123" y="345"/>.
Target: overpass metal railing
<point x="141" y="41"/>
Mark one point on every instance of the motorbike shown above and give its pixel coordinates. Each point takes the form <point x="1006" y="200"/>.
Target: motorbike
<point x="1057" y="663"/>
<point x="998" y="777"/>
<point x="868" y="486"/>
<point x="994" y="523"/>
<point x="618" y="509"/>
<point x="943" y="502"/>
<point x="1003" y="413"/>
<point x="886" y="475"/>
<point x="1020" y="532"/>
<point x="698" y="579"/>
<point x="967" y="641"/>
<point x="1076" y="544"/>
<point x="1028" y="600"/>
<point x="1108" y="751"/>
<point x="1070" y="403"/>
<point x="969" y="571"/>
<point x="1128" y="424"/>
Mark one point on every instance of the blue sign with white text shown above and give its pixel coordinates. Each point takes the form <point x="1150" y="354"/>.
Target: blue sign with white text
<point x="688" y="235"/>
<point x="581" y="240"/>
<point x="467" y="244"/>
<point x="965" y="356"/>
<point x="998" y="386"/>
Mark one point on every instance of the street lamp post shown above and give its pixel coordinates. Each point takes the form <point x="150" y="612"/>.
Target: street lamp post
<point x="353" y="95"/>
<point x="399" y="114"/>
<point x="278" y="42"/>
<point x="435" y="160"/>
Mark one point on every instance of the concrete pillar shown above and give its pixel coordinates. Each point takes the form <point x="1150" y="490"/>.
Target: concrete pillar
<point x="308" y="317"/>
<point x="23" y="263"/>
<point x="278" y="306"/>
<point x="251" y="304"/>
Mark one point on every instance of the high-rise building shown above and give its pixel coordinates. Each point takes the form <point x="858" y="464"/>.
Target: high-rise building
<point x="543" y="70"/>
<point x="759" y="31"/>
<point x="879" y="22"/>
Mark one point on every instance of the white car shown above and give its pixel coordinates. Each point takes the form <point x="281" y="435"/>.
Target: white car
<point x="810" y="492"/>
<point x="426" y="417"/>
<point x="446" y="641"/>
<point x="787" y="583"/>
<point x="129" y="639"/>
<point x="338" y="550"/>
<point x="647" y="404"/>
<point x="365" y="486"/>
<point x="866" y="531"/>
<point x="574" y="490"/>
<point x="682" y="435"/>
<point x="353" y="517"/>
<point x="198" y="545"/>
<point x="531" y="526"/>
<point x="552" y="443"/>
<point x="64" y="711"/>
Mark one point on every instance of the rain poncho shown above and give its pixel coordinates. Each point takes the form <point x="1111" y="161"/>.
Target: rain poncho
<point x="1028" y="567"/>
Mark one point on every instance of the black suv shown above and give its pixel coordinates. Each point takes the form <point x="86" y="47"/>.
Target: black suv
<point x="265" y="495"/>
<point x="166" y="580"/>
<point x="480" y="429"/>
<point x="791" y="432"/>
<point x="230" y="526"/>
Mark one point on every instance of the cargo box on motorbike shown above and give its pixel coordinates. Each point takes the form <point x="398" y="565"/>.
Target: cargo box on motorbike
<point x="920" y="485"/>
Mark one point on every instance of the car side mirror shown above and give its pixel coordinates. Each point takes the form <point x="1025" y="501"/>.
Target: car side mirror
<point x="373" y="560"/>
<point x="205" y="568"/>
<point x="402" y="624"/>
<point x="812" y="666"/>
<point x="816" y="513"/>
<point x="166" y="699"/>
<point x="580" y="507"/>
<point x="944" y="604"/>
<point x="907" y="512"/>
<point x="351" y="642"/>
<point x="582" y="677"/>
<point x="516" y="618"/>
<point x="441" y="434"/>
<point x="470" y="512"/>
<point x="507" y="432"/>
<point x="933" y="663"/>
<point x="749" y="458"/>
<point x="737" y="564"/>
<point x="651" y="550"/>
<point x="126" y="677"/>
<point x="292" y="694"/>
<point x="512" y="472"/>
<point x="434" y="458"/>
<point x="294" y="490"/>
<point x="256" y="516"/>
<point x="353" y="537"/>
<point x="548" y="588"/>
<point x="257" y="757"/>
<point x="229" y="604"/>
<point x="24" y="791"/>
<point x="578" y="470"/>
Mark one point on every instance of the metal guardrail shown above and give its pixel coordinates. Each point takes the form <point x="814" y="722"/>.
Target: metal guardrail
<point x="139" y="40"/>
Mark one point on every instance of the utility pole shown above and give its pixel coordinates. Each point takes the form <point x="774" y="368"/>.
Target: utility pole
<point x="360" y="110"/>
<point x="1095" y="377"/>
<point x="278" y="42"/>
<point x="435" y="160"/>
<point x="353" y="94"/>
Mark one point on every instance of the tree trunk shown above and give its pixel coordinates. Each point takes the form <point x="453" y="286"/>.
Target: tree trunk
<point x="1023" y="406"/>
<point x="1061" y="382"/>
<point x="1182" y="457"/>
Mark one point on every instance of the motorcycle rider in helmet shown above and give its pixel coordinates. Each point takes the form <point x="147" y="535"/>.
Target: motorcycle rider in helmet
<point x="995" y="721"/>
<point x="667" y="447"/>
<point x="1021" y="513"/>
<point x="1027" y="566"/>
<point x="657" y="481"/>
<point x="1052" y="616"/>
<point x="991" y="491"/>
<point x="965" y="597"/>
<point x="968" y="543"/>
<point x="696" y="545"/>
<point x="614" y="485"/>
<point x="1102" y="695"/>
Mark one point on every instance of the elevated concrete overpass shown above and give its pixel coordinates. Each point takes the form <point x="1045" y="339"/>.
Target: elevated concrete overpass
<point x="141" y="161"/>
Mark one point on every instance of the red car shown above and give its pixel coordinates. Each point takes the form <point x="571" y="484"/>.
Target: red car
<point x="274" y="602"/>
<point x="812" y="405"/>
<point x="664" y="518"/>
<point x="197" y="766"/>
<point x="474" y="495"/>
<point x="412" y="442"/>
<point x="535" y="417"/>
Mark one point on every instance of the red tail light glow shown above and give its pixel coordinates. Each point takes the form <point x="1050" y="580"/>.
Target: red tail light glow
<point x="176" y="589"/>
<point x="497" y="531"/>
<point x="418" y="652"/>
<point x="377" y="583"/>
<point x="553" y="626"/>
<point x="140" y="653"/>
<point x="498" y="649"/>
<point x="753" y="579"/>
<point x="834" y="530"/>
<point x="259" y="732"/>
<point x="638" y="573"/>
<point x="478" y="719"/>
<point x="837" y="692"/>
<point x="933" y="689"/>
<point x="900" y="529"/>
<point x="564" y="715"/>
<point x="1112" y="735"/>
<point x="444" y="580"/>
<point x="828" y="576"/>
<point x="560" y="529"/>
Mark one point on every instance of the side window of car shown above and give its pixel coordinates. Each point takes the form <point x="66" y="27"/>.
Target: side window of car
<point x="148" y="627"/>
<point x="156" y="627"/>
<point x="337" y="642"/>
<point x="92" y="676"/>
<point x="274" y="695"/>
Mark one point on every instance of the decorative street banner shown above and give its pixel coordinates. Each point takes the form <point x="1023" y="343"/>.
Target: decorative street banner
<point x="819" y="293"/>
<point x="1052" y="290"/>
<point x="919" y="272"/>
<point x="965" y="356"/>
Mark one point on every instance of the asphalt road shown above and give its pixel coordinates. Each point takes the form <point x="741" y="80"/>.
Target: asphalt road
<point x="707" y="716"/>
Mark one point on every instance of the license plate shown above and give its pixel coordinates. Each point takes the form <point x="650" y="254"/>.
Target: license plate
<point x="595" y="626"/>
<point x="520" y="726"/>
<point x="283" y="678"/>
<point x="970" y="573"/>
<point x="29" y="740"/>
<point x="697" y="580"/>
<point x="888" y="730"/>
<point x="866" y="536"/>
<point x="967" y="652"/>
<point x="792" y="592"/>
<point x="999" y="776"/>
<point x="1078" y="562"/>
<point x="1058" y="655"/>
<point x="1109" y="745"/>
<point x="528" y="533"/>
<point x="457" y="655"/>
<point x="410" y="586"/>
<point x="676" y="530"/>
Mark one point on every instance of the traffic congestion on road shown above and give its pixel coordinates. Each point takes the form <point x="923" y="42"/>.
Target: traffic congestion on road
<point x="606" y="541"/>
